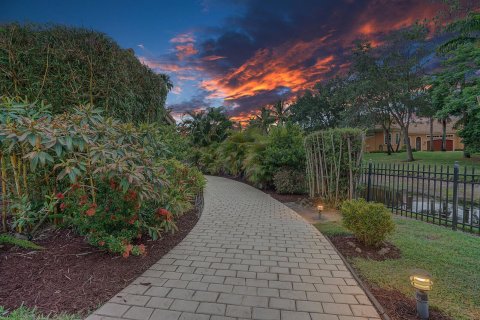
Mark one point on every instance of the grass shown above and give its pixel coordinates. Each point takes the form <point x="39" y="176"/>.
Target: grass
<point x="8" y="239"/>
<point x="24" y="313"/>
<point x="427" y="158"/>
<point x="451" y="257"/>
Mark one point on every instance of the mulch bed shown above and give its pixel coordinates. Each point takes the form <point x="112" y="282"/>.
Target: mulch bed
<point x="286" y="197"/>
<point x="397" y="306"/>
<point x="70" y="275"/>
<point x="350" y="247"/>
<point x="400" y="307"/>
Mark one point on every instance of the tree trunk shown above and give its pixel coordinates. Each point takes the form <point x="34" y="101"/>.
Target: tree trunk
<point x="466" y="153"/>
<point x="444" y="134"/>
<point x="431" y="134"/>
<point x="407" y="144"/>
<point x="386" y="132"/>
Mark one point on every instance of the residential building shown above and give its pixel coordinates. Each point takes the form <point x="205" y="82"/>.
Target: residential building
<point x="419" y="135"/>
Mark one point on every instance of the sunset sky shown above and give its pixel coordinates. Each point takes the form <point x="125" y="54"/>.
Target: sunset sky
<point x="239" y="54"/>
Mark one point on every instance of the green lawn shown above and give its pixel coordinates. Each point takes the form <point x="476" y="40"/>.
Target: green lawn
<point x="426" y="158"/>
<point x="453" y="259"/>
<point x="24" y="313"/>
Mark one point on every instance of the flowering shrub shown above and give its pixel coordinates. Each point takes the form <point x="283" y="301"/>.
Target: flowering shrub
<point x="108" y="179"/>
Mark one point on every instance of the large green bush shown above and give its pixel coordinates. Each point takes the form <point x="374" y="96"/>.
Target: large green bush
<point x="289" y="181"/>
<point x="114" y="182"/>
<point x="67" y="66"/>
<point x="370" y="222"/>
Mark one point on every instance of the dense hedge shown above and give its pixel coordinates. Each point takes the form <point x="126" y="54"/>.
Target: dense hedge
<point x="68" y="66"/>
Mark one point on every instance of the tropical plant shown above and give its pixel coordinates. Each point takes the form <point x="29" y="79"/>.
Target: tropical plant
<point x="106" y="178"/>
<point x="208" y="126"/>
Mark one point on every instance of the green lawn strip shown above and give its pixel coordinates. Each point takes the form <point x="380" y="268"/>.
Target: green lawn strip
<point x="451" y="257"/>
<point x="8" y="239"/>
<point x="427" y="158"/>
<point x="24" y="313"/>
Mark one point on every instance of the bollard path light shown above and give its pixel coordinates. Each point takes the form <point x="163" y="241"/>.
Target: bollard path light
<point x="421" y="280"/>
<point x="320" y="209"/>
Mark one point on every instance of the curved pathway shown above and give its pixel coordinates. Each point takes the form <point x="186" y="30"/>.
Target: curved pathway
<point x="248" y="257"/>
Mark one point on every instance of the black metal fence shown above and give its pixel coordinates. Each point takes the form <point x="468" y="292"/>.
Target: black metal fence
<point x="443" y="195"/>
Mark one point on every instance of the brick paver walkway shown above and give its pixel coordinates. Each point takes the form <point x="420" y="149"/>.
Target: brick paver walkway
<point x="248" y="257"/>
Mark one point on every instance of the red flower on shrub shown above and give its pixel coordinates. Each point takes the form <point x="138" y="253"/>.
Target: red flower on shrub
<point x="113" y="185"/>
<point x="83" y="200"/>
<point x="101" y="243"/>
<point x="62" y="206"/>
<point x="131" y="195"/>
<point x="91" y="211"/>
<point x="133" y="219"/>
<point x="128" y="248"/>
<point x="163" y="212"/>
<point x="75" y="186"/>
<point x="60" y="195"/>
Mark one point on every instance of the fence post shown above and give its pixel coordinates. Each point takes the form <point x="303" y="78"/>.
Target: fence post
<point x="369" y="180"/>
<point x="455" y="195"/>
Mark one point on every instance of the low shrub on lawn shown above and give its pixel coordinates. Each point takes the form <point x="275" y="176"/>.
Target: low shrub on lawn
<point x="370" y="222"/>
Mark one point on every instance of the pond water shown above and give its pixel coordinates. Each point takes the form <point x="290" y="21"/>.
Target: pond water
<point x="468" y="212"/>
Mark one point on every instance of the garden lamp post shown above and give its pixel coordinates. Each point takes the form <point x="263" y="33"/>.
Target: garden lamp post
<point x="421" y="280"/>
<point x="319" y="209"/>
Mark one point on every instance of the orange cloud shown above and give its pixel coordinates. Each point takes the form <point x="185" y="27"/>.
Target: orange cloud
<point x="270" y="69"/>
<point x="212" y="58"/>
<point x="183" y="38"/>
<point x="185" y="50"/>
<point x="176" y="90"/>
<point x="167" y="67"/>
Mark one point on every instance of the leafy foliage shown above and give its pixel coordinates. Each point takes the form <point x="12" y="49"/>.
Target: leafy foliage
<point x="208" y="126"/>
<point x="68" y="66"/>
<point x="289" y="181"/>
<point x="107" y="178"/>
<point x="370" y="222"/>
<point x="8" y="239"/>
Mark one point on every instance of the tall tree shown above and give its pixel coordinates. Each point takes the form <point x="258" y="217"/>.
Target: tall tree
<point x="456" y="87"/>
<point x="320" y="108"/>
<point x="263" y="120"/>
<point x="281" y="112"/>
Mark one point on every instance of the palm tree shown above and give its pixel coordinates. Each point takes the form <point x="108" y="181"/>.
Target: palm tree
<point x="207" y="126"/>
<point x="263" y="120"/>
<point x="281" y="112"/>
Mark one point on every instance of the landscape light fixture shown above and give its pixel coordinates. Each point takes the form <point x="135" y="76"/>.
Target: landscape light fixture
<point x="421" y="280"/>
<point x="320" y="209"/>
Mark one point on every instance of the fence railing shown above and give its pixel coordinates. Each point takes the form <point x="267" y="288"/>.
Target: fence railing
<point x="443" y="195"/>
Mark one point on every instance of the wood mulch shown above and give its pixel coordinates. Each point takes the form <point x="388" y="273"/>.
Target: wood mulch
<point x="71" y="276"/>
<point x="400" y="307"/>
<point x="349" y="246"/>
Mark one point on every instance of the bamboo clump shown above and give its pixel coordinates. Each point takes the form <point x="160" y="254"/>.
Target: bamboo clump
<point x="333" y="161"/>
